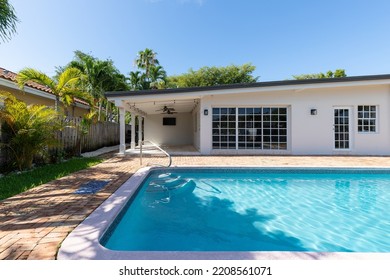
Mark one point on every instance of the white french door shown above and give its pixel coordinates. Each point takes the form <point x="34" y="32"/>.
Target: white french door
<point x="342" y="128"/>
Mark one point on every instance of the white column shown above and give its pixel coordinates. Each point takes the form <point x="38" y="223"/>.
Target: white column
<point x="122" y="131"/>
<point x="132" y="143"/>
<point x="205" y="126"/>
<point x="139" y="130"/>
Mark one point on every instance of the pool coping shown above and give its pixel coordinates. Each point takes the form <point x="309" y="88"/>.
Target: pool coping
<point x="83" y="242"/>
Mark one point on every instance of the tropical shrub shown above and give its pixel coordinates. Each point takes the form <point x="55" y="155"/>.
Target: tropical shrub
<point x="30" y="129"/>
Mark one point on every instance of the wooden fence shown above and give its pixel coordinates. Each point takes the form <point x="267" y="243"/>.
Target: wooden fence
<point x="100" y="134"/>
<point x="72" y="140"/>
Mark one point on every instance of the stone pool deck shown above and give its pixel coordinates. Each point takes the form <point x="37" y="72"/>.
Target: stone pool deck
<point x="34" y="223"/>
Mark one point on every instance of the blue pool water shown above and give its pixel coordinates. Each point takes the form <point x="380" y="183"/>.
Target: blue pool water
<point x="256" y="210"/>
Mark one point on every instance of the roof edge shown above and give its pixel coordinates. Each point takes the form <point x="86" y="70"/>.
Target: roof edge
<point x="249" y="85"/>
<point x="10" y="76"/>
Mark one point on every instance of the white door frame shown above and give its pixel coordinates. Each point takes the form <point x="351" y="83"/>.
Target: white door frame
<point x="342" y="127"/>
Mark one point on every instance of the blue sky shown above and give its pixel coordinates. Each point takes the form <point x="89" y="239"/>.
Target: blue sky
<point x="281" y="38"/>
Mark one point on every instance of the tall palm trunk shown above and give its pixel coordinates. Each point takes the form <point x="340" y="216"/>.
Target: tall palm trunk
<point x="108" y="111"/>
<point x="100" y="110"/>
<point x="57" y="103"/>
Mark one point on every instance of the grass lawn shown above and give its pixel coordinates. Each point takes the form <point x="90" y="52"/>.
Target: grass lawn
<point x="13" y="184"/>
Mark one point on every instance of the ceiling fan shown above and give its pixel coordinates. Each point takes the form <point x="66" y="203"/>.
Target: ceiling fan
<point x="167" y="110"/>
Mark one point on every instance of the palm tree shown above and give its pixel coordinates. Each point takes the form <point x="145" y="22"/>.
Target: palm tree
<point x="154" y="76"/>
<point x="8" y="20"/>
<point x="96" y="74"/>
<point x="146" y="59"/>
<point x="64" y="87"/>
<point x="136" y="80"/>
<point x="157" y="76"/>
<point x="118" y="82"/>
<point x="99" y="76"/>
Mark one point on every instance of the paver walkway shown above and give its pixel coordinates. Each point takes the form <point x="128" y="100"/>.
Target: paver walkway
<point x="33" y="224"/>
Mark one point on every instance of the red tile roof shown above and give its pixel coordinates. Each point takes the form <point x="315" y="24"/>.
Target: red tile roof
<point x="11" y="76"/>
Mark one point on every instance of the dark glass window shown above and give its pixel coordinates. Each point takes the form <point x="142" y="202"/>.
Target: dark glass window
<point x="256" y="128"/>
<point x="367" y="118"/>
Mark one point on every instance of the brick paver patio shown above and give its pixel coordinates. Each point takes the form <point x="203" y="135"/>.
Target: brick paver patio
<point x="33" y="224"/>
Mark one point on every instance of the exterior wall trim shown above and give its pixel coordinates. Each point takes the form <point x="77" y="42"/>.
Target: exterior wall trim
<point x="40" y="93"/>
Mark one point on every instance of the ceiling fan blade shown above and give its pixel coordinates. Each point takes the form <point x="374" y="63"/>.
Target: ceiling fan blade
<point x="166" y="109"/>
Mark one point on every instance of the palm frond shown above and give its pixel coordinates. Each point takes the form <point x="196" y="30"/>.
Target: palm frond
<point x="69" y="94"/>
<point x="31" y="75"/>
<point x="69" y="78"/>
<point x="8" y="20"/>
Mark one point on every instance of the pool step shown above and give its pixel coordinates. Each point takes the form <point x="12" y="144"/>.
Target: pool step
<point x="172" y="186"/>
<point x="166" y="182"/>
<point x="166" y="185"/>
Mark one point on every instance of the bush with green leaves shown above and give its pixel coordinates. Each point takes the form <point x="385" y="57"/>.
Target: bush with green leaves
<point x="30" y="129"/>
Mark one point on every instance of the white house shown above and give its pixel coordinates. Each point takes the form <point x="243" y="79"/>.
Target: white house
<point x="338" y="116"/>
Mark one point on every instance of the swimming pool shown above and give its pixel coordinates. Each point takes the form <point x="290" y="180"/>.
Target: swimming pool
<point x="244" y="213"/>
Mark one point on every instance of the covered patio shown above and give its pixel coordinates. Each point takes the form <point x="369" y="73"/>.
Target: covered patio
<point x="170" y="120"/>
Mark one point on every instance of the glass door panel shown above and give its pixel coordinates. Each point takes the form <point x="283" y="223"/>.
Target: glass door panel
<point x="341" y="129"/>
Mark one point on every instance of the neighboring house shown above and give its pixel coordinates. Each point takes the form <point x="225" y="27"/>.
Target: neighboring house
<point x="34" y="93"/>
<point x="337" y="116"/>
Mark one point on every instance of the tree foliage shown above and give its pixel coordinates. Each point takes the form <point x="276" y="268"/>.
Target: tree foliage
<point x="146" y="59"/>
<point x="212" y="76"/>
<point x="157" y="76"/>
<point x="338" y="73"/>
<point x="8" y="20"/>
<point x="151" y="75"/>
<point x="64" y="86"/>
<point x="30" y="128"/>
<point x="98" y="77"/>
<point x="136" y="80"/>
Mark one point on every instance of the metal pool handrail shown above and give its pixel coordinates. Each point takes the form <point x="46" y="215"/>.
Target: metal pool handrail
<point x="158" y="147"/>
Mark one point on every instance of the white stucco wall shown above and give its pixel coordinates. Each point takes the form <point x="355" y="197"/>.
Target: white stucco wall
<point x="180" y="134"/>
<point x="311" y="134"/>
<point x="315" y="135"/>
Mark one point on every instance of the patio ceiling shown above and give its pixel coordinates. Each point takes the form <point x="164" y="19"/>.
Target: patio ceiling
<point x="151" y="107"/>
